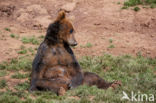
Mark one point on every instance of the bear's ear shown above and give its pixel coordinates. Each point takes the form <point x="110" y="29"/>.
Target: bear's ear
<point x="61" y="15"/>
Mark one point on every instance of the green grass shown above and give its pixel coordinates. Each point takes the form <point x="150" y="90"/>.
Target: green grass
<point x="111" y="46"/>
<point x="41" y="37"/>
<point x="22" y="86"/>
<point x="124" y="7"/>
<point x="87" y="45"/>
<point x="136" y="8"/>
<point x="7" y="29"/>
<point x="23" y="50"/>
<point x="132" y="3"/>
<point x="135" y="73"/>
<point x="153" y="5"/>
<point x="110" y="40"/>
<point x="20" y="76"/>
<point x="3" y="73"/>
<point x="21" y="63"/>
<point x="3" y="84"/>
<point x="118" y="3"/>
<point x="31" y="50"/>
<point x="14" y="36"/>
<point x="32" y="40"/>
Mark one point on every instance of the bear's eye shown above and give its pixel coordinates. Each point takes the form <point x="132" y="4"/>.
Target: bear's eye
<point x="71" y="31"/>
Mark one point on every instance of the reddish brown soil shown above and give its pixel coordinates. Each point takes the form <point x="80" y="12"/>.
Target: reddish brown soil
<point x="96" y="22"/>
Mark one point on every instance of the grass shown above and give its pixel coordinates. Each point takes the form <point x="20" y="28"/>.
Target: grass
<point x="132" y="3"/>
<point x="136" y="8"/>
<point x="7" y="29"/>
<point x="153" y="5"/>
<point x="110" y="40"/>
<point x="31" y="50"/>
<point x="3" y="73"/>
<point x="14" y="36"/>
<point x="41" y="37"/>
<point x="31" y="40"/>
<point x="20" y="63"/>
<point x="87" y="45"/>
<point x="135" y="73"/>
<point x="118" y="3"/>
<point x="20" y="76"/>
<point x="111" y="46"/>
<point x="23" y="50"/>
<point x="3" y="84"/>
<point x="22" y="86"/>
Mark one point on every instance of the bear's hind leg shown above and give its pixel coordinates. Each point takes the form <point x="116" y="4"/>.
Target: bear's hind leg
<point x="55" y="85"/>
<point x="93" y="79"/>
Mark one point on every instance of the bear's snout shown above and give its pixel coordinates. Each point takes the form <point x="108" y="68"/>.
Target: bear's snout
<point x="72" y="43"/>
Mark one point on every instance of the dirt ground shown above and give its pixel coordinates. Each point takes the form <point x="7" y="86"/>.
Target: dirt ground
<point x="95" y="22"/>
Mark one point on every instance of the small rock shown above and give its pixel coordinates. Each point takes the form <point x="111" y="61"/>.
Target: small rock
<point x="97" y="23"/>
<point x="22" y="31"/>
<point x="148" y="52"/>
<point x="152" y="35"/>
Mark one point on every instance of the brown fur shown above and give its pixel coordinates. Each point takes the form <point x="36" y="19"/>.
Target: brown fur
<point x="55" y="67"/>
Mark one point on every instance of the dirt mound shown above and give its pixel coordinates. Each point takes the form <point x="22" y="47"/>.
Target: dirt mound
<point x="146" y="23"/>
<point x="33" y="16"/>
<point x="6" y="10"/>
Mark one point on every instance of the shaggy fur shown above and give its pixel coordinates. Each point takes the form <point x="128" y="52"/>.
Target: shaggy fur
<point x="55" y="67"/>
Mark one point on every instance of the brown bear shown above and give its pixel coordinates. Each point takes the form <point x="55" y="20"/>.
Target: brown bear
<point x="55" y="67"/>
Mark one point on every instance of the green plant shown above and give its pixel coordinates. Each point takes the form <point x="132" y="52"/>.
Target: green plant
<point x="14" y="36"/>
<point x="153" y="5"/>
<point x="130" y="3"/>
<point x="87" y="45"/>
<point x="118" y="3"/>
<point x="32" y="40"/>
<point x="124" y="7"/>
<point x="111" y="40"/>
<point x="136" y="8"/>
<point x="23" y="50"/>
<point x="7" y="29"/>
<point x="31" y="50"/>
<point x="3" y="73"/>
<point x="20" y="63"/>
<point x="42" y="37"/>
<point x="111" y="46"/>
<point x="22" y="86"/>
<point x="3" y="83"/>
<point x="19" y="75"/>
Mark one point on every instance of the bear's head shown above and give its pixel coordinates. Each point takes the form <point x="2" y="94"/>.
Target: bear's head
<point x="61" y="31"/>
